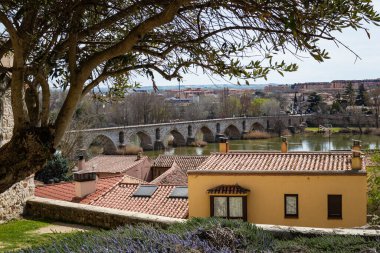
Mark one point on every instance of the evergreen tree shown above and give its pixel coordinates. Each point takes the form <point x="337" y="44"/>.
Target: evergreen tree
<point x="314" y="100"/>
<point x="362" y="97"/>
<point x="349" y="94"/>
<point x="54" y="171"/>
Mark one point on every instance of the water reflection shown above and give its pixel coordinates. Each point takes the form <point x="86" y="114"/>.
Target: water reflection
<point x="310" y="142"/>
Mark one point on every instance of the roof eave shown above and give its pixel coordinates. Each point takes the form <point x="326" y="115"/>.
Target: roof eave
<point x="279" y="172"/>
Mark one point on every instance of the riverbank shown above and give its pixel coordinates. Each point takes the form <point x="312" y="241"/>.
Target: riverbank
<point x="344" y="130"/>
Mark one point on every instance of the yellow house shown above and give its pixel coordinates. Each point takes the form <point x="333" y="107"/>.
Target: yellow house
<point x="310" y="189"/>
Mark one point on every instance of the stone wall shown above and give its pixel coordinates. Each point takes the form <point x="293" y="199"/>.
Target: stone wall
<point x="6" y="115"/>
<point x="89" y="215"/>
<point x="12" y="201"/>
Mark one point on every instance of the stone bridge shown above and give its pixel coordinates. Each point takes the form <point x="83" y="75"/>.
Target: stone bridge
<point x="158" y="136"/>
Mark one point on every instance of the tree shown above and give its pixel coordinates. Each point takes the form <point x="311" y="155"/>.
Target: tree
<point x="349" y="94"/>
<point x="375" y="102"/>
<point x="270" y="107"/>
<point x="54" y="171"/>
<point x="362" y="97"/>
<point x="77" y="45"/>
<point x="314" y="101"/>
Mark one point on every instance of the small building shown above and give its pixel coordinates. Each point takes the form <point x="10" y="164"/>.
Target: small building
<point x="111" y="165"/>
<point x="177" y="164"/>
<point x="308" y="189"/>
<point x="120" y="192"/>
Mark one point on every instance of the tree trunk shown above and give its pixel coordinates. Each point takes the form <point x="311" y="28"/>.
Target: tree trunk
<point x="26" y="153"/>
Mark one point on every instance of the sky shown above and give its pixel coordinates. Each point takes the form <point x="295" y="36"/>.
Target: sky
<point x="342" y="65"/>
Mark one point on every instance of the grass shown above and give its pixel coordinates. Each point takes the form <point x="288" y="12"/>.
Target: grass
<point x="19" y="234"/>
<point x="316" y="129"/>
<point x="202" y="235"/>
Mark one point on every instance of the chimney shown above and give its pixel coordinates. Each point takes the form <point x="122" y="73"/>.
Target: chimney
<point x="284" y="145"/>
<point x="356" y="162"/>
<point x="223" y="145"/>
<point x="81" y="163"/>
<point x="85" y="183"/>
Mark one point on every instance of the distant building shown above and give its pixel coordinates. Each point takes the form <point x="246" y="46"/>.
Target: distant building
<point x="278" y="89"/>
<point x="336" y="86"/>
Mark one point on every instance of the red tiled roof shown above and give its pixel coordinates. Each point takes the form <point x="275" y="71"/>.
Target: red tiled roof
<point x="185" y="162"/>
<point x="113" y="163"/>
<point x="132" y="180"/>
<point x="121" y="197"/>
<point x="66" y="191"/>
<point x="228" y="189"/>
<point x="174" y="175"/>
<point x="295" y="162"/>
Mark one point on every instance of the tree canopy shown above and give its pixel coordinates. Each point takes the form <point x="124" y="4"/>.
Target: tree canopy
<point x="78" y="44"/>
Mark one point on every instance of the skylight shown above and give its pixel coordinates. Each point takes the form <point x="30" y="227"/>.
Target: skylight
<point x="179" y="192"/>
<point x="145" y="191"/>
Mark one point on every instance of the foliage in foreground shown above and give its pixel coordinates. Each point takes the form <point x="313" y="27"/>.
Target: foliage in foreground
<point x="202" y="235"/>
<point x="374" y="186"/>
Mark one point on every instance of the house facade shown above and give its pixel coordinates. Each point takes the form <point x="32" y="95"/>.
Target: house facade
<point x="319" y="189"/>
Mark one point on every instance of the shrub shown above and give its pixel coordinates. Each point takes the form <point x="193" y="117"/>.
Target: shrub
<point x="254" y="135"/>
<point x="375" y="131"/>
<point x="54" y="171"/>
<point x="129" y="150"/>
<point x="202" y="235"/>
<point x="345" y="131"/>
<point x="373" y="179"/>
<point x="198" y="144"/>
<point x="146" y="238"/>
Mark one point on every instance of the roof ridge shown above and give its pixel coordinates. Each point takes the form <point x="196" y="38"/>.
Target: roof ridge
<point x="53" y="184"/>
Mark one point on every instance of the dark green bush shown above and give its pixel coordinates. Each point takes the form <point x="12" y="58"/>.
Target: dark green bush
<point x="56" y="170"/>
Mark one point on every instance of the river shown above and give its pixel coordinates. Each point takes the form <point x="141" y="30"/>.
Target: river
<point x="298" y="142"/>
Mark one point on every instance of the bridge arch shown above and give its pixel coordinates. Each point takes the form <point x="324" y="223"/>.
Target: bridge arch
<point x="278" y="127"/>
<point x="257" y="127"/>
<point x="204" y="133"/>
<point x="232" y="132"/>
<point x="174" y="138"/>
<point x="102" y="144"/>
<point x="141" y="139"/>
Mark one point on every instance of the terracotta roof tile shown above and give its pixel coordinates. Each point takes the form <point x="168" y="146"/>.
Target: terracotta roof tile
<point x="121" y="197"/>
<point x="132" y="180"/>
<point x="113" y="163"/>
<point x="183" y="161"/>
<point x="66" y="191"/>
<point x="174" y="175"/>
<point x="228" y="189"/>
<point x="278" y="162"/>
